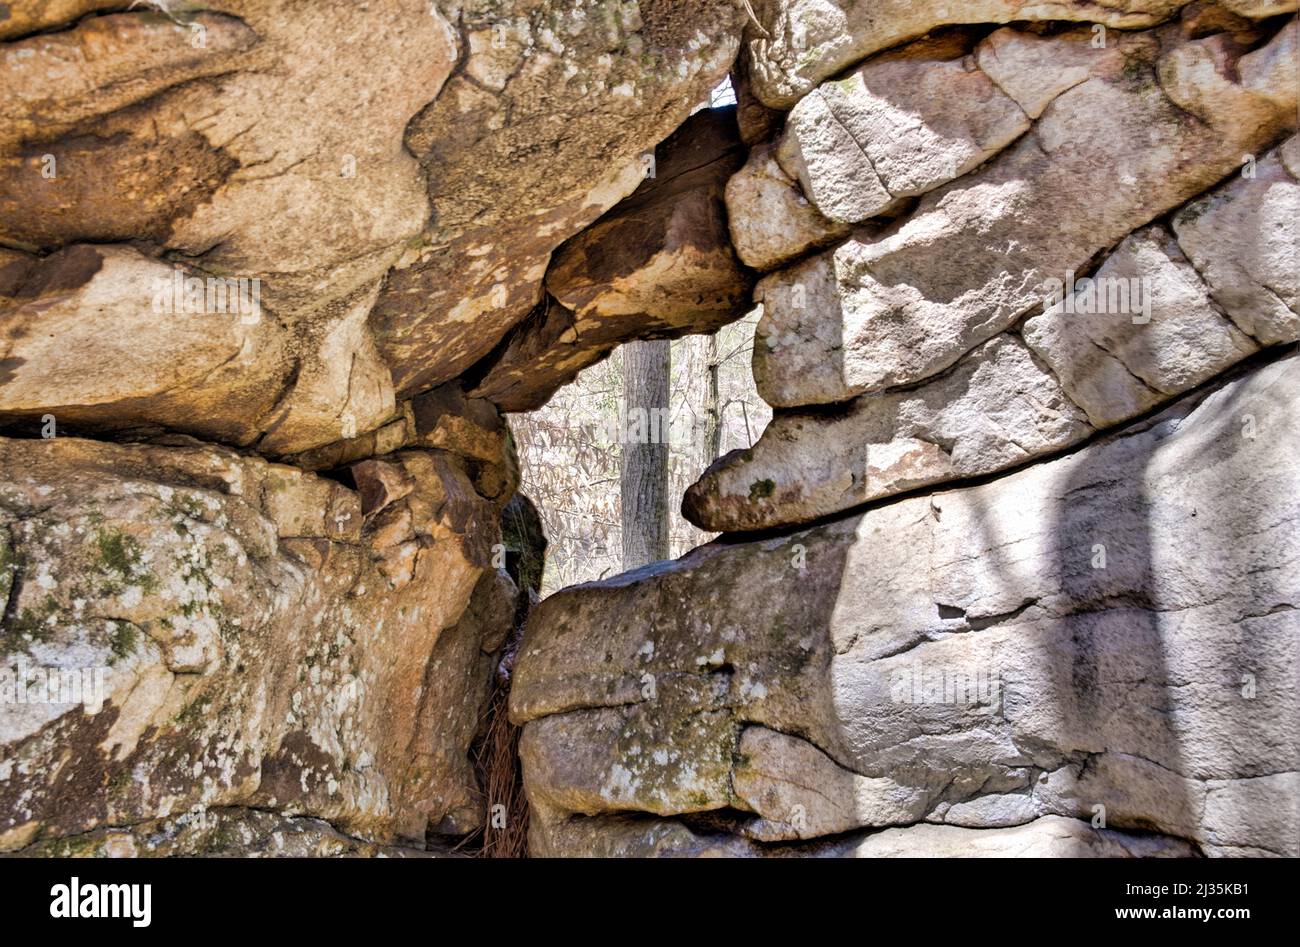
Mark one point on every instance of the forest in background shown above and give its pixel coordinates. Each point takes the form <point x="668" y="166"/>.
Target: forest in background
<point x="569" y="450"/>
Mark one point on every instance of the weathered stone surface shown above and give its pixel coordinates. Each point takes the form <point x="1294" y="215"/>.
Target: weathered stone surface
<point x="1033" y="72"/>
<point x="1048" y="837"/>
<point x="975" y="256"/>
<point x="659" y="265"/>
<point x="1258" y="9"/>
<point x="542" y="129"/>
<point x="224" y="832"/>
<point x="661" y="261"/>
<point x="81" y="340"/>
<point x="1245" y="240"/>
<point x="798" y="43"/>
<point x="897" y="127"/>
<point x="998" y="407"/>
<point x="1118" y="361"/>
<point x="398" y="216"/>
<point x="1145" y="329"/>
<point x="539" y="356"/>
<point x="396" y="434"/>
<point x="192" y="134"/>
<point x="771" y="221"/>
<point x="1114" y="628"/>
<point x="264" y="642"/>
<point x="447" y="419"/>
<point x="445" y="212"/>
<point x="757" y="122"/>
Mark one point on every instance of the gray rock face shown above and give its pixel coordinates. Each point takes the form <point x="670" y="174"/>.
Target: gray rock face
<point x="1116" y="364"/>
<point x="1111" y="633"/>
<point x="976" y="254"/>
<point x="1244" y="239"/>
<point x="187" y="629"/>
<point x="799" y="43"/>
<point x="771" y="221"/>
<point x="889" y="357"/>
<point x="897" y="127"/>
<point x="999" y="407"/>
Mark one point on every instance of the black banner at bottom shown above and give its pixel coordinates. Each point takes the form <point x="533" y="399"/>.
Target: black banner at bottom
<point x="333" y="897"/>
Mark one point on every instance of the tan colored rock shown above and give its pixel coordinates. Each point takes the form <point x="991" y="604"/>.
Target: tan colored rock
<point x="757" y="122"/>
<point x="191" y="133"/>
<point x="661" y="262"/>
<point x="659" y="265"/>
<point x="315" y="195"/>
<point x="1258" y="9"/>
<point x="393" y="436"/>
<point x="98" y="337"/>
<point x="342" y="387"/>
<point x="445" y="418"/>
<point x="545" y="129"/>
<point x="977" y="254"/>
<point x="998" y="407"/>
<point x="1077" y="634"/>
<point x="539" y="356"/>
<point x="1244" y="239"/>
<point x="263" y="643"/>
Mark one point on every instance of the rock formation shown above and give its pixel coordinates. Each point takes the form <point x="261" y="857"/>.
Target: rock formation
<point x="1116" y="627"/>
<point x="1013" y="570"/>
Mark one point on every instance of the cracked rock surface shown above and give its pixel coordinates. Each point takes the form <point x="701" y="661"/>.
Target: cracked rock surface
<point x="1117" y="627"/>
<point x="1013" y="571"/>
<point x="268" y="639"/>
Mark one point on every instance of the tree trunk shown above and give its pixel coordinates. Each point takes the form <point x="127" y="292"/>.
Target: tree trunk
<point x="644" y="474"/>
<point x="712" y="420"/>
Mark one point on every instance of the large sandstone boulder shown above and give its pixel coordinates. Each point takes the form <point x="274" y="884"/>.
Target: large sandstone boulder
<point x="256" y="140"/>
<point x="999" y="407"/>
<point x="1108" y="637"/>
<point x="897" y="127"/>
<point x="659" y="265"/>
<point x="215" y="374"/>
<point x="249" y="637"/>
<point x="547" y="125"/>
<point x="391" y="177"/>
<point x="1244" y="239"/>
<point x="1014" y="311"/>
<point x="1081" y="365"/>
